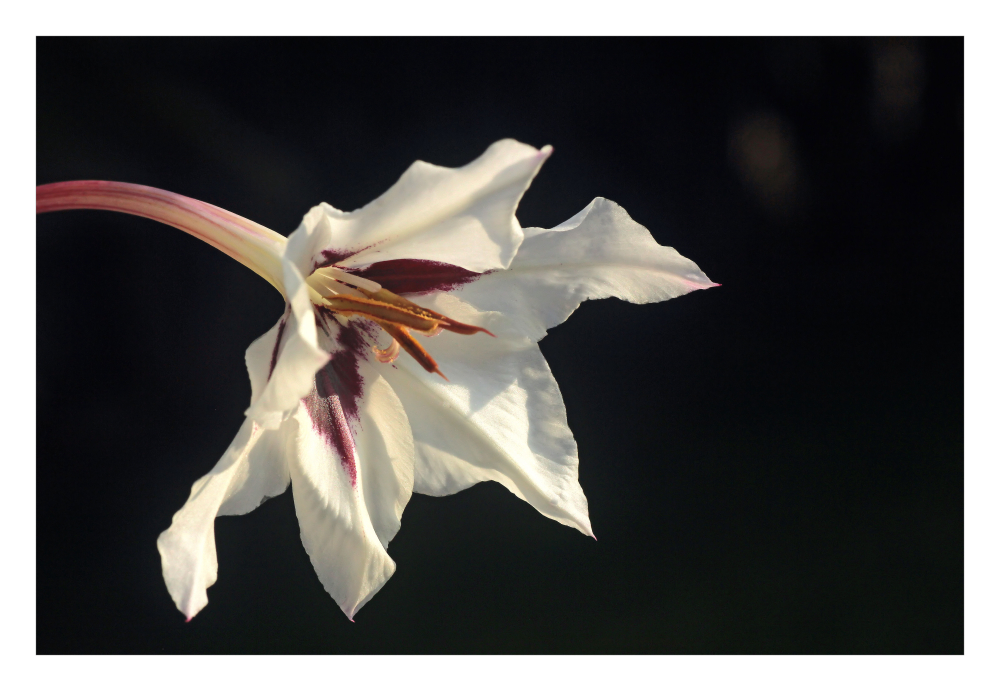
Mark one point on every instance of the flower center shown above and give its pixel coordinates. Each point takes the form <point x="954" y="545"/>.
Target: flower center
<point x="349" y="295"/>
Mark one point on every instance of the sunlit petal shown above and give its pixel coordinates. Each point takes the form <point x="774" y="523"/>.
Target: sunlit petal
<point x="601" y="252"/>
<point x="462" y="216"/>
<point x="330" y="502"/>
<point x="252" y="469"/>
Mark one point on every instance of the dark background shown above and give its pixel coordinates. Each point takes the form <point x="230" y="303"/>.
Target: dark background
<point x="773" y="466"/>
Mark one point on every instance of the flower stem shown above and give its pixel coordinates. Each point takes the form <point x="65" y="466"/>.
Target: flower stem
<point x="249" y="243"/>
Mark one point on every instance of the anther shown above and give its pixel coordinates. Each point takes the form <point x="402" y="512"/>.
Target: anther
<point x="387" y="354"/>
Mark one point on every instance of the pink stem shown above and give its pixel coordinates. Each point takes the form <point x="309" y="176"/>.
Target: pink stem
<point x="249" y="243"/>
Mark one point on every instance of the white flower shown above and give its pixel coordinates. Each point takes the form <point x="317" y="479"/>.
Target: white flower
<point x="356" y="429"/>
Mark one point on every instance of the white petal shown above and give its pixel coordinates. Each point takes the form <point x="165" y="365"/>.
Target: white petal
<point x="601" y="252"/>
<point x="385" y="450"/>
<point x="252" y="469"/>
<point x="262" y="356"/>
<point x="312" y="236"/>
<point x="350" y="490"/>
<point x="290" y="365"/>
<point x="462" y="216"/>
<point x="380" y="429"/>
<point x="499" y="417"/>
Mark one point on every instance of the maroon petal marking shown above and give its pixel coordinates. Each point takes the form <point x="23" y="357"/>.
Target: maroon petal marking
<point x="330" y="423"/>
<point x="323" y="319"/>
<point x="341" y="376"/>
<point x="415" y="276"/>
<point x="331" y="257"/>
<point x="339" y="387"/>
<point x="277" y="342"/>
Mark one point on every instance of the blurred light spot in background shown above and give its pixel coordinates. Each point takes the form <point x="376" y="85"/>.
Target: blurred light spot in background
<point x="762" y="150"/>
<point x="898" y="81"/>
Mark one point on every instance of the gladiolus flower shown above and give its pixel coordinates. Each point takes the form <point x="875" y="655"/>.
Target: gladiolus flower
<point x="406" y="359"/>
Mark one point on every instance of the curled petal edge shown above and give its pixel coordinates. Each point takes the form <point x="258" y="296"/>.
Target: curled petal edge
<point x="253" y="468"/>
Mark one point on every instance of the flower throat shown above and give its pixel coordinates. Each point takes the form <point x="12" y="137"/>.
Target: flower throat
<point x="347" y="295"/>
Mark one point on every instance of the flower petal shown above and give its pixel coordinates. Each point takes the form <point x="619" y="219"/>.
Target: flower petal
<point x="289" y="355"/>
<point x="252" y="469"/>
<point x="336" y="531"/>
<point x="462" y="216"/>
<point x="601" y="252"/>
<point x="499" y="417"/>
<point x="385" y="453"/>
<point x="310" y="239"/>
<point x="351" y="482"/>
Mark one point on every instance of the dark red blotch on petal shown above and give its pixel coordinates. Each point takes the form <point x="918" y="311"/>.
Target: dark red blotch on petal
<point x="277" y="343"/>
<point x="341" y="376"/>
<point x="331" y="257"/>
<point x="339" y="386"/>
<point x="329" y="421"/>
<point x="403" y="276"/>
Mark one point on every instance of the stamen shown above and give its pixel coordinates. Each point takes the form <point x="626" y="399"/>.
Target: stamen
<point x="458" y="327"/>
<point x="333" y="273"/>
<point x="433" y="333"/>
<point x="410" y="345"/>
<point x="379" y="311"/>
<point x="324" y="285"/>
<point x="387" y="354"/>
<point x="395" y="314"/>
<point x="314" y="296"/>
<point x="446" y="323"/>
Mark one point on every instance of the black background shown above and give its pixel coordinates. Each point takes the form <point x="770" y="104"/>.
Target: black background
<point x="773" y="466"/>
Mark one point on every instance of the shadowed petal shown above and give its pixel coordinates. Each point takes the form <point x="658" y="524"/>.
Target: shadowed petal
<point x="385" y="452"/>
<point x="288" y="353"/>
<point x="499" y="417"/>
